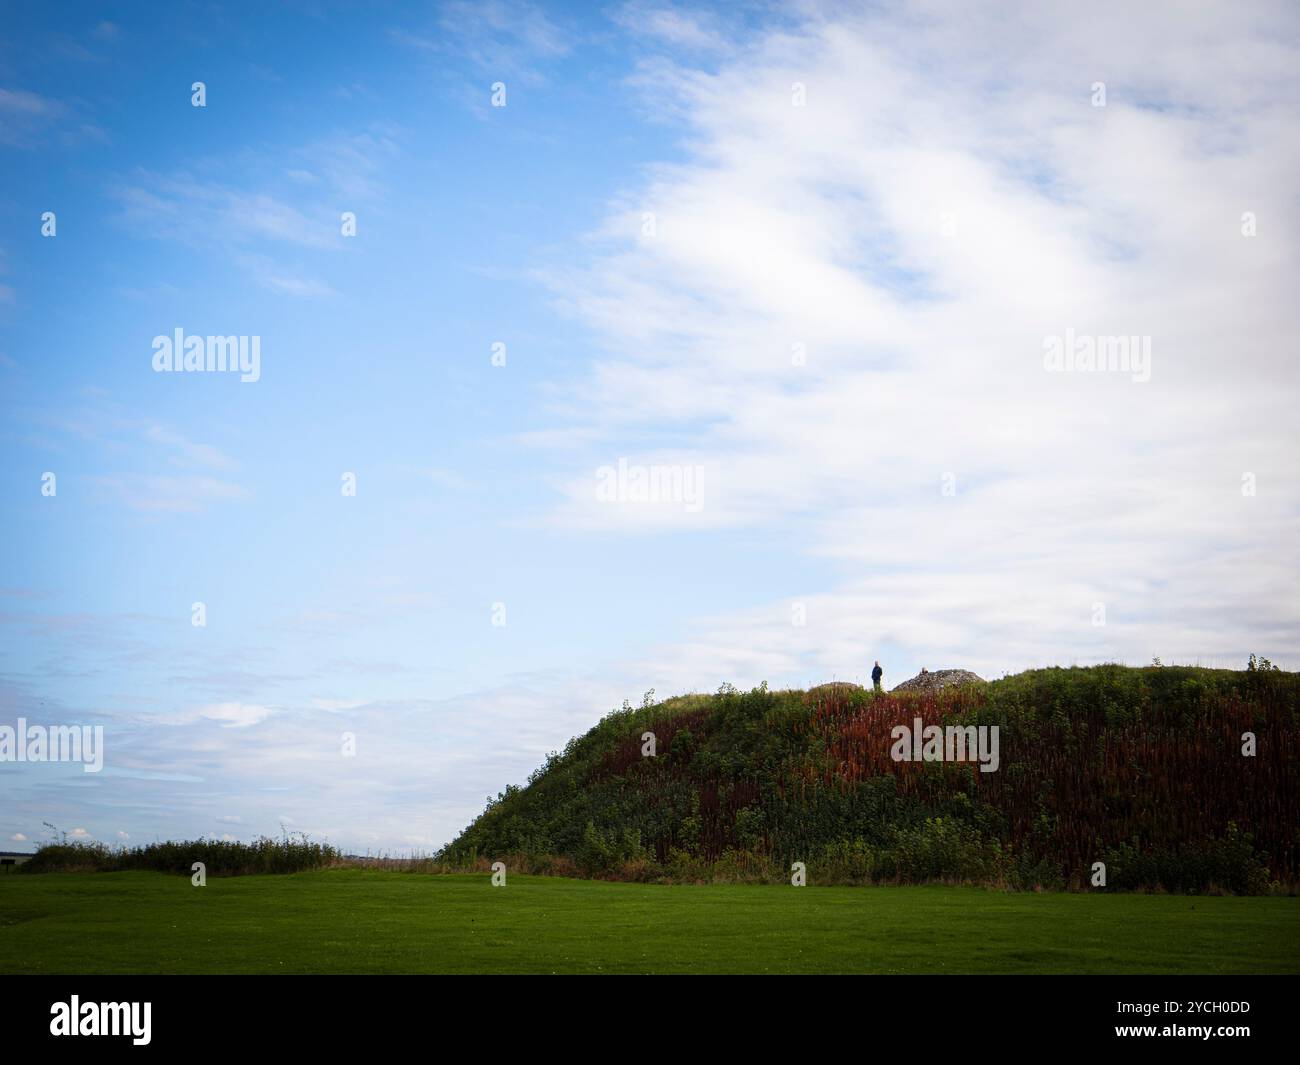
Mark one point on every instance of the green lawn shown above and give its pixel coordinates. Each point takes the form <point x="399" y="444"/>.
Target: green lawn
<point x="361" y="921"/>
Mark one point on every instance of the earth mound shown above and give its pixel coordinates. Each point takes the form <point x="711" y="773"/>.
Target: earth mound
<point x="736" y="786"/>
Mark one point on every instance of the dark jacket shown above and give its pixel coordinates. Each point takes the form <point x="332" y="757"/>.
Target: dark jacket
<point x="877" y="673"/>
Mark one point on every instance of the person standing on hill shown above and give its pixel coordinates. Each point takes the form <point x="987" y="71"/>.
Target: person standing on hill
<point x="876" y="674"/>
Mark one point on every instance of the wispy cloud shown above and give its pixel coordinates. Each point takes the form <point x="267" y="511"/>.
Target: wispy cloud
<point x="25" y="115"/>
<point x="839" y="312"/>
<point x="681" y="28"/>
<point x="501" y="38"/>
<point x="122" y="441"/>
<point x="166" y="493"/>
<point x="289" y="205"/>
<point x="297" y="286"/>
<point x="186" y="208"/>
<point x="181" y="451"/>
<point x="230" y="715"/>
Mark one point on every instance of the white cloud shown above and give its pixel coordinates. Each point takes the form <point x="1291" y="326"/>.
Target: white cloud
<point x="233" y="715"/>
<point x="946" y="200"/>
<point x="334" y="705"/>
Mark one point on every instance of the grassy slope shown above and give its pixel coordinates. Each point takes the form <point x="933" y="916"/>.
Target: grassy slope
<point x="1139" y="768"/>
<point x="362" y="921"/>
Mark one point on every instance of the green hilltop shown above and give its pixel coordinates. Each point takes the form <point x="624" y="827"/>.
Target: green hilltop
<point x="1176" y="778"/>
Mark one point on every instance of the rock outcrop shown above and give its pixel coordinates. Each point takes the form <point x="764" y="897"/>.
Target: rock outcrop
<point x="927" y="681"/>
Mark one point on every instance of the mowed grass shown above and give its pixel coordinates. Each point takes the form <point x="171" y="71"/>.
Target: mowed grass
<point x="367" y="921"/>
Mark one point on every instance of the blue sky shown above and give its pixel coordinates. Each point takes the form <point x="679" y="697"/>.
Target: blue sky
<point x="653" y="224"/>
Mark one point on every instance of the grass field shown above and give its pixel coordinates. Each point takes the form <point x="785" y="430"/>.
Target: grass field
<point x="363" y="921"/>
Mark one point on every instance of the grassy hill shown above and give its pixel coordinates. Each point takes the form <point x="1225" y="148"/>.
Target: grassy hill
<point x="1140" y="769"/>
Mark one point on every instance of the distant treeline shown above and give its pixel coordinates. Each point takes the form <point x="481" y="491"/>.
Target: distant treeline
<point x="1142" y="770"/>
<point x="289" y="854"/>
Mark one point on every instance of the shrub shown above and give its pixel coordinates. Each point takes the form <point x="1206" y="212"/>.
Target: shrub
<point x="289" y="854"/>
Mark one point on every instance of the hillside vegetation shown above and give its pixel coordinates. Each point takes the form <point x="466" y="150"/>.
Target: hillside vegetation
<point x="1140" y="769"/>
<point x="289" y="854"/>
